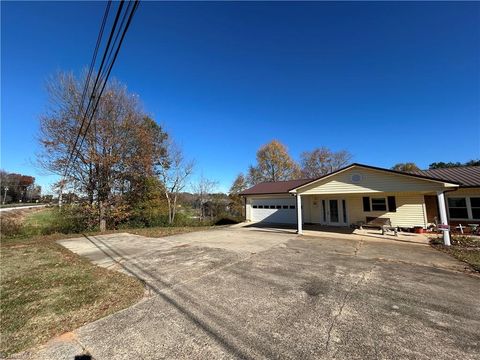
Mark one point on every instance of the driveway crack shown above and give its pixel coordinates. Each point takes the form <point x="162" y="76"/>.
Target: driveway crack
<point x="357" y="247"/>
<point x="344" y="302"/>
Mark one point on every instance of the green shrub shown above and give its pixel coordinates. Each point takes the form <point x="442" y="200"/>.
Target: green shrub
<point x="67" y="220"/>
<point x="132" y="224"/>
<point x="182" y="219"/>
<point x="148" y="206"/>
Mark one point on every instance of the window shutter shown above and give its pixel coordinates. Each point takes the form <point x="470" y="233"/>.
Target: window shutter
<point x="366" y="203"/>
<point x="392" y="205"/>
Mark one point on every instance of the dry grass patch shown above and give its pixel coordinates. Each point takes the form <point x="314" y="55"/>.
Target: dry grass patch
<point x="463" y="248"/>
<point x="47" y="290"/>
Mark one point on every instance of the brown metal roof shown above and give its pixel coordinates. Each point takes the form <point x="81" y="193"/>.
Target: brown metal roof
<point x="466" y="176"/>
<point x="278" y="187"/>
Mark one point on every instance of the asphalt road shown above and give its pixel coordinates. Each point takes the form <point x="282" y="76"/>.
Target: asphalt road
<point x="256" y="294"/>
<point x="21" y="207"/>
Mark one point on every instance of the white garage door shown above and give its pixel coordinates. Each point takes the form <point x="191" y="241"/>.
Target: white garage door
<point x="274" y="210"/>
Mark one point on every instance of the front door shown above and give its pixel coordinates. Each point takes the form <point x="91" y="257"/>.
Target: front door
<point x="334" y="212"/>
<point x="333" y="216"/>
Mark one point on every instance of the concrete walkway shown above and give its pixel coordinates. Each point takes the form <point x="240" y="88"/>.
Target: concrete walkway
<point x="266" y="293"/>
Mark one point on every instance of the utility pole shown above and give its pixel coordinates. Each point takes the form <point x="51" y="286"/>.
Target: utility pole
<point x="5" y="194"/>
<point x="60" y="195"/>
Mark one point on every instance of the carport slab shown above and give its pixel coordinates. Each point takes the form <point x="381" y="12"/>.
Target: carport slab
<point x="308" y="298"/>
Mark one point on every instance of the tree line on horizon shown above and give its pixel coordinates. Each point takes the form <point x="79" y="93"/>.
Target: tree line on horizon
<point x="411" y="166"/>
<point x="16" y="188"/>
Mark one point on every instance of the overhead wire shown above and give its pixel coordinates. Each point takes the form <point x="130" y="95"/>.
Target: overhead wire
<point x="108" y="71"/>
<point x="87" y="83"/>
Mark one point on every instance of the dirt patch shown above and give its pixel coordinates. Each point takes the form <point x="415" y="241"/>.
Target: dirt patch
<point x="68" y="336"/>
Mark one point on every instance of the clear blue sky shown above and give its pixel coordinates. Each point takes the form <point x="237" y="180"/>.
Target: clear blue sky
<point x="390" y="82"/>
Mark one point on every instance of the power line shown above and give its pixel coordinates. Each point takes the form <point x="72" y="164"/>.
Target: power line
<point x="102" y="75"/>
<point x="118" y="33"/>
<point x="112" y="31"/>
<point x="130" y="17"/>
<point x="94" y="58"/>
<point x="87" y="82"/>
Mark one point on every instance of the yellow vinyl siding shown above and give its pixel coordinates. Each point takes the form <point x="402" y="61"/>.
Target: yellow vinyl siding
<point x="372" y="181"/>
<point x="410" y="210"/>
<point x="464" y="192"/>
<point x="311" y="209"/>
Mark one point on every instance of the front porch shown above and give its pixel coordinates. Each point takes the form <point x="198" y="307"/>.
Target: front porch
<point x="371" y="234"/>
<point x="336" y="232"/>
<point x="343" y="213"/>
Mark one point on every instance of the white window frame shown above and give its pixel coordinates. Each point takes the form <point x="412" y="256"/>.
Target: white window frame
<point x="471" y="207"/>
<point x="468" y="205"/>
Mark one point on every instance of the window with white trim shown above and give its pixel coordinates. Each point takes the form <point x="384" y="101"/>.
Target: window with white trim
<point x="464" y="208"/>
<point x="388" y="203"/>
<point x="457" y="207"/>
<point x="379" y="204"/>
<point x="475" y="207"/>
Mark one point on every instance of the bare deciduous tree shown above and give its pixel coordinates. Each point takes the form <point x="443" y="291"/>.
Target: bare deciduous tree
<point x="409" y="166"/>
<point x="202" y="190"/>
<point x="322" y="161"/>
<point x="173" y="171"/>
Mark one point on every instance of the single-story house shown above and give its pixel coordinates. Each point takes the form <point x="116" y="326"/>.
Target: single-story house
<point x="357" y="193"/>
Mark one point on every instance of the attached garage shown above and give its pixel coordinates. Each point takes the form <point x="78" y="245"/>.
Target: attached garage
<point x="273" y="210"/>
<point x="271" y="202"/>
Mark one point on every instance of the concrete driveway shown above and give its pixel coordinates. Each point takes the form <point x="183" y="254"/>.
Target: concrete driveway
<point x="267" y="293"/>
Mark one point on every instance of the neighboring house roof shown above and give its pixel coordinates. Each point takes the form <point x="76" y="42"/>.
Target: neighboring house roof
<point x="282" y="187"/>
<point x="278" y="187"/>
<point x="466" y="176"/>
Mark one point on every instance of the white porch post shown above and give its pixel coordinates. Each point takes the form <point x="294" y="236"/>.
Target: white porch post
<point x="443" y="216"/>
<point x="299" y="214"/>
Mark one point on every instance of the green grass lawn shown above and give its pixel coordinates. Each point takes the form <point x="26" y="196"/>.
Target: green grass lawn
<point x="46" y="290"/>
<point x="36" y="221"/>
<point x="463" y="248"/>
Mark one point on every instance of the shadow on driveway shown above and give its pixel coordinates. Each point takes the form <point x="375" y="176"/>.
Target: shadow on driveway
<point x="216" y="334"/>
